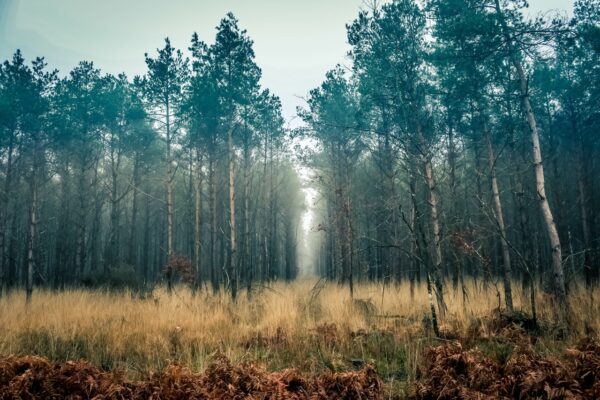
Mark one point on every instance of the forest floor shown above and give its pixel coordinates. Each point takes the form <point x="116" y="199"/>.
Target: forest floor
<point x="301" y="340"/>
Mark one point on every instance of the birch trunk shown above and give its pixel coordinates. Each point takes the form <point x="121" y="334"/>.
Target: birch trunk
<point x="435" y="225"/>
<point x="557" y="267"/>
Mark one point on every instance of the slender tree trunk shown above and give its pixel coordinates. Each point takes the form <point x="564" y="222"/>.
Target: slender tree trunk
<point x="264" y="262"/>
<point x="420" y="246"/>
<point x="232" y="260"/>
<point x="80" y="255"/>
<point x="273" y="208"/>
<point x="4" y="196"/>
<point x="13" y="245"/>
<point x="63" y="233"/>
<point x="146" y="244"/>
<point x="31" y="242"/>
<point x="132" y="245"/>
<point x="198" y="221"/>
<point x="349" y="233"/>
<point x="481" y="217"/>
<point x="96" y="222"/>
<point x="414" y="262"/>
<point x="112" y="253"/>
<point x="435" y="225"/>
<point x="213" y="222"/>
<point x="169" y="185"/>
<point x="583" y="201"/>
<point x="247" y="262"/>
<point x="32" y="231"/>
<point x="456" y="268"/>
<point x="557" y="267"/>
<point x="507" y="269"/>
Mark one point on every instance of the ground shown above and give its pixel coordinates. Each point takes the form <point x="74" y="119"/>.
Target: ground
<point x="303" y="337"/>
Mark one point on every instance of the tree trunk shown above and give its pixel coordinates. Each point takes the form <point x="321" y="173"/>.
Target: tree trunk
<point x="213" y="223"/>
<point x="132" y="245"/>
<point x="583" y="202"/>
<point x="169" y="185"/>
<point x="557" y="267"/>
<point x="3" y="211"/>
<point x="507" y="270"/>
<point x="273" y="209"/>
<point x="146" y="244"/>
<point x="112" y="257"/>
<point x="198" y="221"/>
<point x="264" y="256"/>
<point x="435" y="224"/>
<point x="247" y="262"/>
<point x="32" y="231"/>
<point x="63" y="231"/>
<point x="420" y="247"/>
<point x="412" y="222"/>
<point x="80" y="255"/>
<point x="232" y="260"/>
<point x="31" y="239"/>
<point x="31" y="243"/>
<point x="96" y="222"/>
<point x="349" y="236"/>
<point x="456" y="268"/>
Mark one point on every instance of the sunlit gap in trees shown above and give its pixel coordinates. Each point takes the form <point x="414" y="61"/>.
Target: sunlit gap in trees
<point x="309" y="239"/>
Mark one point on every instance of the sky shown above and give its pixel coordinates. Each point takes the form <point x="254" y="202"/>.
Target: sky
<point x="296" y="42"/>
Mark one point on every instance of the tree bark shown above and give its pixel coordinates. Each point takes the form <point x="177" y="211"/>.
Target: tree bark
<point x="213" y="222"/>
<point x="583" y="208"/>
<point x="169" y="187"/>
<point x="31" y="242"/>
<point x="32" y="232"/>
<point x="557" y="267"/>
<point x="507" y="269"/>
<point x="3" y="208"/>
<point x="435" y="224"/>
<point x="232" y="260"/>
<point x="80" y="253"/>
<point x="247" y="262"/>
<point x="198" y="221"/>
<point x="112" y="253"/>
<point x="132" y="245"/>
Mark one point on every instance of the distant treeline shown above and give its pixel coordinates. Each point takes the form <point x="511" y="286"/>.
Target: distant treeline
<point x="462" y="140"/>
<point x="180" y="174"/>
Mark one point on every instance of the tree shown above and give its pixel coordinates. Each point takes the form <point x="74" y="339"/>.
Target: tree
<point x="457" y="57"/>
<point x="164" y="88"/>
<point x="31" y="87"/>
<point x="390" y="46"/>
<point x="123" y="114"/>
<point x="333" y="120"/>
<point x="236" y="76"/>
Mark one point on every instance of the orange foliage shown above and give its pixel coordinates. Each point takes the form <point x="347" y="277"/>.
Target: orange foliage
<point x="36" y="378"/>
<point x="453" y="372"/>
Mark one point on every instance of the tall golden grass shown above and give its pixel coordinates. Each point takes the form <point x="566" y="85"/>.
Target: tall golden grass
<point x="309" y="325"/>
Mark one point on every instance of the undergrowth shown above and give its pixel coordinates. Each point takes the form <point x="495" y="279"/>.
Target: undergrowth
<point x="313" y="328"/>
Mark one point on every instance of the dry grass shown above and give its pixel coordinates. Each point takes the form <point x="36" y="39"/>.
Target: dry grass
<point x="310" y="326"/>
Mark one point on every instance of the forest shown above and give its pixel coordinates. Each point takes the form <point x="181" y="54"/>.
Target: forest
<point x="430" y="227"/>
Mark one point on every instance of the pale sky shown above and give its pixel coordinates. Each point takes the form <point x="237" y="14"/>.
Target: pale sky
<point x="295" y="41"/>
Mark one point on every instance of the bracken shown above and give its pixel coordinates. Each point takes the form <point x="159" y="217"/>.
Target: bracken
<point x="36" y="378"/>
<point x="451" y="372"/>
